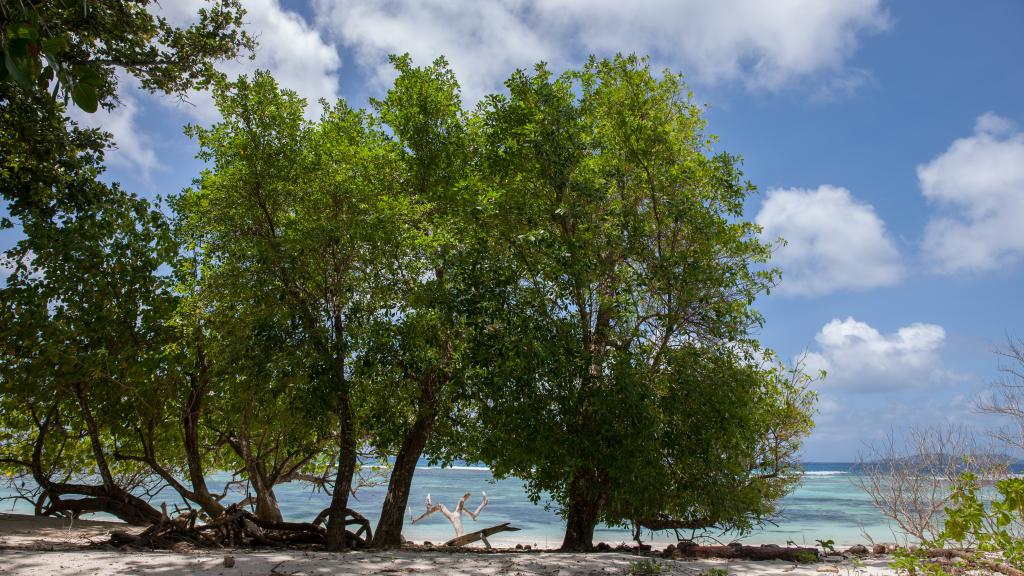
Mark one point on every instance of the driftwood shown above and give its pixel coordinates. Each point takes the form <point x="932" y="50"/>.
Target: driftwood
<point x="455" y="517"/>
<point x="237" y="527"/>
<point x="789" y="554"/>
<point x="976" y="559"/>
<point x="481" y="535"/>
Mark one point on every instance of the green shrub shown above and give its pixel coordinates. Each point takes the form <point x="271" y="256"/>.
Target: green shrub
<point x="970" y="523"/>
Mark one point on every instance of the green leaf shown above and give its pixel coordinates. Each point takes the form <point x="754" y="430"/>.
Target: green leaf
<point x="84" y="95"/>
<point x="22" y="30"/>
<point x="19" y="69"/>
<point x="88" y="75"/>
<point x="54" y="45"/>
<point x="18" y="47"/>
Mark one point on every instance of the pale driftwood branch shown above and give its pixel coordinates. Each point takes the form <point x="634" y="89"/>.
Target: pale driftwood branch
<point x="476" y="512"/>
<point x="454" y="517"/>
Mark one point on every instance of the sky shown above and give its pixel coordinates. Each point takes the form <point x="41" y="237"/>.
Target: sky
<point x="886" y="140"/>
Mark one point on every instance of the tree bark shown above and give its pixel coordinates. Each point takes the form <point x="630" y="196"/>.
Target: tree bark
<point x="586" y="497"/>
<point x="392" y="514"/>
<point x="107" y="497"/>
<point x="267" y="507"/>
<point x="190" y="423"/>
<point x="336" y="538"/>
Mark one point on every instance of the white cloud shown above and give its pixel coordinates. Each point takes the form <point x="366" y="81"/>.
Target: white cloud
<point x="133" y="149"/>
<point x="979" y="181"/>
<point x="842" y="85"/>
<point x="762" y="44"/>
<point x="860" y="358"/>
<point x="833" y="241"/>
<point x="293" y="51"/>
<point x="483" y="41"/>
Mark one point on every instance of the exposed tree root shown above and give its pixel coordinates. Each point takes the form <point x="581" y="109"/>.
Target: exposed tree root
<point x="238" y="527"/>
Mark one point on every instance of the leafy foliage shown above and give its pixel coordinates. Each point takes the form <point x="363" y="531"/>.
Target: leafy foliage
<point x="559" y="283"/>
<point x="51" y="52"/>
<point x="617" y="373"/>
<point x="987" y="523"/>
<point x="71" y="48"/>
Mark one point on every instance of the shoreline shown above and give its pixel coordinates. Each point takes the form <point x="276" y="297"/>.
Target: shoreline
<point x="33" y="545"/>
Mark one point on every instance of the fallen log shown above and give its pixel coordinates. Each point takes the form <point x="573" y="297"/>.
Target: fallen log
<point x="480" y="535"/>
<point x="790" y="554"/>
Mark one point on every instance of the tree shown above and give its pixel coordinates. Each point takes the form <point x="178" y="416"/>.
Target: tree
<point x="296" y="227"/>
<point x="82" y="329"/>
<point x="53" y="51"/>
<point x="627" y="277"/>
<point x="416" y="354"/>
<point x="1007" y="398"/>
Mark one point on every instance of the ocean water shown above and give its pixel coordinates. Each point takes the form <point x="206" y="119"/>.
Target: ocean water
<point x="826" y="505"/>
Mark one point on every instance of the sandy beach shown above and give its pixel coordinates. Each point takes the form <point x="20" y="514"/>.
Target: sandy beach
<point x="42" y="546"/>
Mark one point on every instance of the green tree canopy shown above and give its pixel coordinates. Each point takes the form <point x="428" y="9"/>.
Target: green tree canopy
<point x="51" y="52"/>
<point x="629" y="279"/>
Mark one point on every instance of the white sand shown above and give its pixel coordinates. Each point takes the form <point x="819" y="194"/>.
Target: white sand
<point x="45" y="546"/>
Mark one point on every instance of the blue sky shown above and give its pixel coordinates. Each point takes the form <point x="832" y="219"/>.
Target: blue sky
<point x="886" y="138"/>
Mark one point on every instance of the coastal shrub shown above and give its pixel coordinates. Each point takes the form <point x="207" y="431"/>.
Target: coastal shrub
<point x="979" y="528"/>
<point x="806" y="557"/>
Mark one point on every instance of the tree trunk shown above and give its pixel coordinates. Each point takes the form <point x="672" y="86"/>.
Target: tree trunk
<point x="267" y="507"/>
<point x="336" y="538"/>
<point x="586" y="497"/>
<point x="190" y="423"/>
<point x="111" y="498"/>
<point x="266" y="501"/>
<point x="392" y="514"/>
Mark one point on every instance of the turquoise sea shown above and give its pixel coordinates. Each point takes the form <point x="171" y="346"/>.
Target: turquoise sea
<point x="826" y="505"/>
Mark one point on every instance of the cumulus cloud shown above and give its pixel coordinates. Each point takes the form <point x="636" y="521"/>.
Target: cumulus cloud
<point x="761" y="44"/>
<point x="133" y="149"/>
<point x="293" y="51"/>
<point x="833" y="241"/>
<point x="483" y="41"/>
<point x="290" y="48"/>
<point x="860" y="358"/>
<point x="978" y="183"/>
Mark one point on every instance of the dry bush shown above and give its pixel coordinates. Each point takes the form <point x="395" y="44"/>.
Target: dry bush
<point x="910" y="481"/>
<point x="1007" y="396"/>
